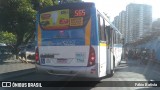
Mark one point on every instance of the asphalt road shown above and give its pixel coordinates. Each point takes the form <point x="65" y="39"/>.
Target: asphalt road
<point x="124" y="78"/>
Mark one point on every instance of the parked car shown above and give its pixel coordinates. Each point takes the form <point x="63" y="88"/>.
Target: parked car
<point x="3" y="44"/>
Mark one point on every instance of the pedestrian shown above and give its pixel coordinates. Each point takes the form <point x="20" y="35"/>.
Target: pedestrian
<point x="130" y="54"/>
<point x="144" y="57"/>
<point x="153" y="54"/>
<point x="126" y="55"/>
<point x="22" y="54"/>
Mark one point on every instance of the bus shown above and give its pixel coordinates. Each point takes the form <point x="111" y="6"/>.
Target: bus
<point x="75" y="39"/>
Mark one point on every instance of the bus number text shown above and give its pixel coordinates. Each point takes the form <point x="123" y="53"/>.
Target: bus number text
<point x="79" y="12"/>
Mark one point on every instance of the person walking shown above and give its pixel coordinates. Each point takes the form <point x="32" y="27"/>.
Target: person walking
<point x="144" y="57"/>
<point x="126" y="55"/>
<point x="22" y="54"/>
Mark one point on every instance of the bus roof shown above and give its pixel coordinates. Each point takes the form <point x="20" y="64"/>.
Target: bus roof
<point x="67" y="5"/>
<point x="107" y="19"/>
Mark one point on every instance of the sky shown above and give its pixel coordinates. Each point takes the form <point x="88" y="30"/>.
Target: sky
<point x="113" y="7"/>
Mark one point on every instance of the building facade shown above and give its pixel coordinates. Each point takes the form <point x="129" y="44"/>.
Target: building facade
<point x="135" y="22"/>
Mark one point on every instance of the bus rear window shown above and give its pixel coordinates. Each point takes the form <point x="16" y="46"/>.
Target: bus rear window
<point x="64" y="34"/>
<point x="64" y="19"/>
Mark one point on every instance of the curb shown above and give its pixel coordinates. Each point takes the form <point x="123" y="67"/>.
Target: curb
<point x="11" y="75"/>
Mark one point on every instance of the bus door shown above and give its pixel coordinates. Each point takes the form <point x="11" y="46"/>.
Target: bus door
<point x="109" y="50"/>
<point x="102" y="47"/>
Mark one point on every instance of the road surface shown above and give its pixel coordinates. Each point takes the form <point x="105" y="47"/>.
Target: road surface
<point x="129" y="71"/>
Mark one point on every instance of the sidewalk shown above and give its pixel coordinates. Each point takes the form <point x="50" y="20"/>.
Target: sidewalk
<point x="152" y="64"/>
<point x="15" y="68"/>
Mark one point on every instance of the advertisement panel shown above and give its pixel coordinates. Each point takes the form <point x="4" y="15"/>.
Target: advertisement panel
<point x="64" y="19"/>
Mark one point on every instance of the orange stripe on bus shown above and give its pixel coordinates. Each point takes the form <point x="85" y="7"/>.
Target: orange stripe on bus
<point x="39" y="36"/>
<point x="88" y="33"/>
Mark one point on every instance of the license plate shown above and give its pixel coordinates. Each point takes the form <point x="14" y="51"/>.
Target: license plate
<point x="48" y="60"/>
<point x="62" y="61"/>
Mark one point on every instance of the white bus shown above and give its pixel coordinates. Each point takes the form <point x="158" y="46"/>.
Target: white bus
<point x="75" y="39"/>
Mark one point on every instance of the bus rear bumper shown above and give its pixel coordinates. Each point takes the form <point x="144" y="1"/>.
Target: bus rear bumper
<point x="83" y="71"/>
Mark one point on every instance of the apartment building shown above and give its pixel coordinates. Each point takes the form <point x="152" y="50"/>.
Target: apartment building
<point x="135" y="22"/>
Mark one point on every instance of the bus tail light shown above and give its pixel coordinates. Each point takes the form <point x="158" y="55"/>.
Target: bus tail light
<point x="92" y="57"/>
<point x="37" y="55"/>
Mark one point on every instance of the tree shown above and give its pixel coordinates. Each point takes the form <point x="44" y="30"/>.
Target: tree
<point x="18" y="17"/>
<point x="38" y="4"/>
<point x="7" y="38"/>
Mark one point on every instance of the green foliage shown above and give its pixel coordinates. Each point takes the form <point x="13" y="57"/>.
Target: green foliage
<point x="17" y="16"/>
<point x="8" y="38"/>
<point x="17" y="19"/>
<point x="38" y="4"/>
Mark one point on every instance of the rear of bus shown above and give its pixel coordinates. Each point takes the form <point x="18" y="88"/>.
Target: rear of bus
<point x="67" y="40"/>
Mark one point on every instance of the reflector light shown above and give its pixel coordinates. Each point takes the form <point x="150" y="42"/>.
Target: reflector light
<point x="91" y="59"/>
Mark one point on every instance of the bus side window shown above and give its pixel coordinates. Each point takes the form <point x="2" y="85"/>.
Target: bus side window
<point x="101" y="24"/>
<point x="108" y="34"/>
<point x="111" y="36"/>
<point x="99" y="27"/>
